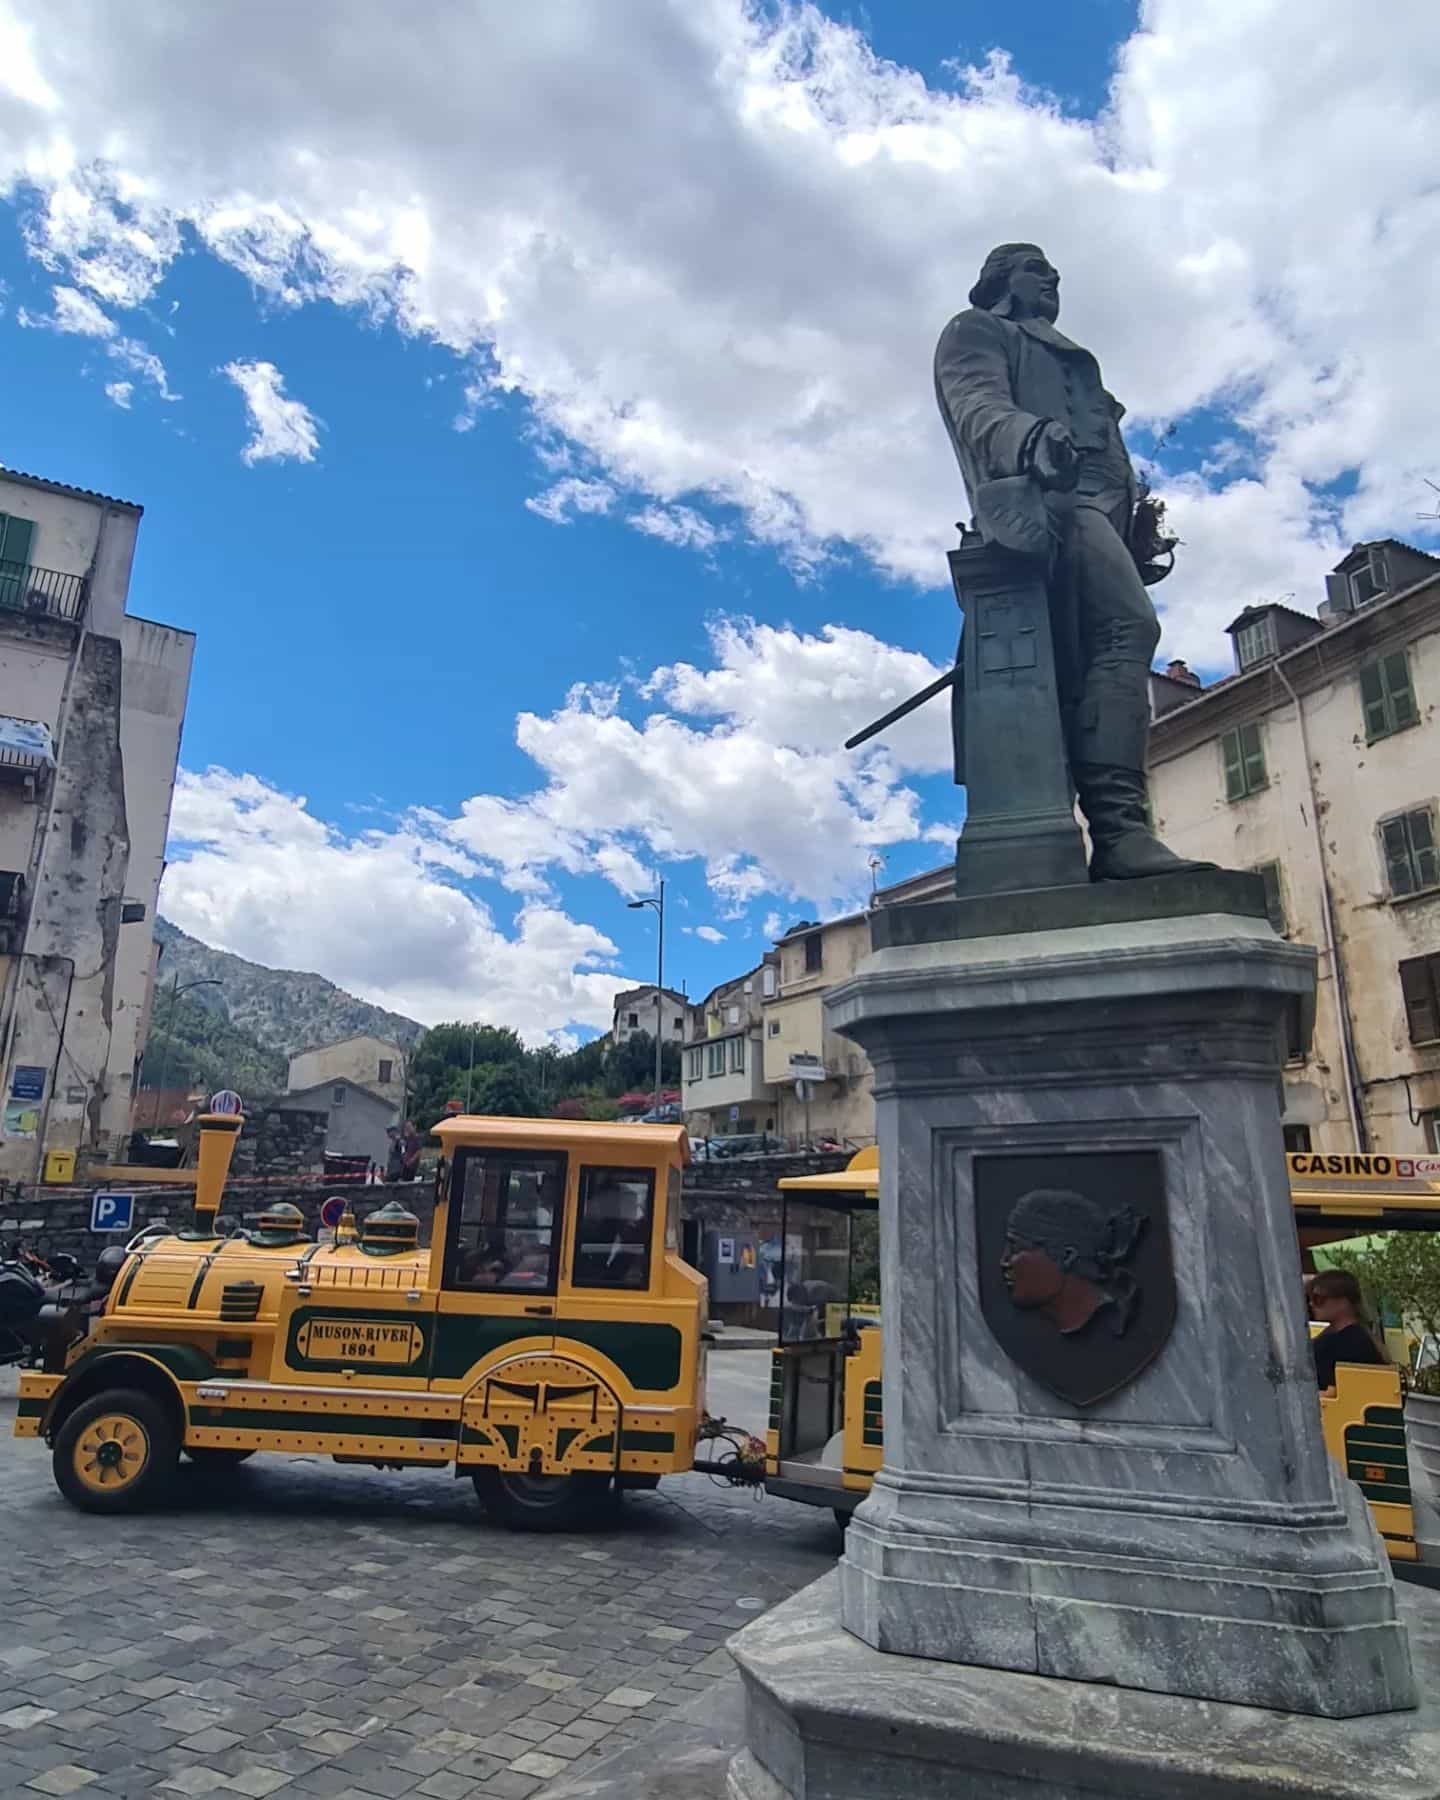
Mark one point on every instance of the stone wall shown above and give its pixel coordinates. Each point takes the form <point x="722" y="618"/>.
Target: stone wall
<point x="282" y="1141"/>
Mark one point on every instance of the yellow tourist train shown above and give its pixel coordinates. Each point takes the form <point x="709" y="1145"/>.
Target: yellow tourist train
<point x="826" y="1437"/>
<point x="548" y="1343"/>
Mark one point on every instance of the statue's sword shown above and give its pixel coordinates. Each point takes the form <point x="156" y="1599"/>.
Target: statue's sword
<point x="904" y="709"/>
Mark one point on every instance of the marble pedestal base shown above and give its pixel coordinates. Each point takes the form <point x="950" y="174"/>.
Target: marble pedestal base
<point x="1185" y="1532"/>
<point x="828" y="1718"/>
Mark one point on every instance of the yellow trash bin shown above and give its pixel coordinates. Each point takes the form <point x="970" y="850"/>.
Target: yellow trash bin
<point x="59" y="1165"/>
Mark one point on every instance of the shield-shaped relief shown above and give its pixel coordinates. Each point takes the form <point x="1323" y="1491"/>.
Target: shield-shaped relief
<point x="1077" y="1280"/>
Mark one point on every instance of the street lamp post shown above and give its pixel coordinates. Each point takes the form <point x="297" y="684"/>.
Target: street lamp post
<point x="656" y="903"/>
<point x="176" y="990"/>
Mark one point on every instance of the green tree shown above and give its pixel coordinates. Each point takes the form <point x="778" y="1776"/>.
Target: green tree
<point x="631" y="1064"/>
<point x="1400" y="1271"/>
<point x="440" y="1069"/>
<point x="504" y="1090"/>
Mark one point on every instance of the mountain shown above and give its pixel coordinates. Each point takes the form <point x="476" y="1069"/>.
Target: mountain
<point x="241" y="1031"/>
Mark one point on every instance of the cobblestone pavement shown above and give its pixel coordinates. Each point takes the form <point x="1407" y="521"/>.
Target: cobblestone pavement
<point x="296" y="1628"/>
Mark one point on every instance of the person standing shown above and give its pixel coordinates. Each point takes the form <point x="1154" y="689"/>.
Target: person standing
<point x="409" y="1152"/>
<point x="1335" y="1301"/>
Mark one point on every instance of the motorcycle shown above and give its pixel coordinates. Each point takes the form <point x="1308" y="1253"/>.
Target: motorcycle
<point x="46" y="1302"/>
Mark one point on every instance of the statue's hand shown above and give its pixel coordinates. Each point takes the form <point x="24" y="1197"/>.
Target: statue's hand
<point x="1054" y="461"/>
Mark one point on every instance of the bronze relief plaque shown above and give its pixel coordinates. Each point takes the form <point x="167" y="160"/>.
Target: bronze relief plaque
<point x="1077" y="1280"/>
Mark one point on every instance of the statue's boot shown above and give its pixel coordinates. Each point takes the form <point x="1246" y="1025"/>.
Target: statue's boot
<point x="1123" y="847"/>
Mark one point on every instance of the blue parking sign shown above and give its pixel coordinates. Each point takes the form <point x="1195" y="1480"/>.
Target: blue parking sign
<point x="112" y="1212"/>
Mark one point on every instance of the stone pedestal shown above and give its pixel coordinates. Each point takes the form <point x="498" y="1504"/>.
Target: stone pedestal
<point x="1186" y="1532"/>
<point x="828" y="1718"/>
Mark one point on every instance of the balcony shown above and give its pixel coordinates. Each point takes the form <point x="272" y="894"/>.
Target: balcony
<point x="44" y="592"/>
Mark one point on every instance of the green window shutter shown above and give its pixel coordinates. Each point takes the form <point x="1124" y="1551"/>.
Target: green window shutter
<point x="15" y="536"/>
<point x="1372" y="699"/>
<point x="1234" y="766"/>
<point x="1424" y="858"/>
<point x="1398" y="870"/>
<point x="1254" y="753"/>
<point x="1419" y="981"/>
<point x="1401" y="696"/>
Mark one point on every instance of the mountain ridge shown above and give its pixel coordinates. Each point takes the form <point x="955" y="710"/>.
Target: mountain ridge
<point x="281" y="1011"/>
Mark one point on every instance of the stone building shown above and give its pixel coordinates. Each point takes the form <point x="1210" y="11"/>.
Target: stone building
<point x="355" y="1116"/>
<point x="636" y="1010"/>
<point x="92" y="700"/>
<point x="362" y="1058"/>
<point x="723" y="1085"/>
<point x="821" y="1081"/>
<point x="1317" y="763"/>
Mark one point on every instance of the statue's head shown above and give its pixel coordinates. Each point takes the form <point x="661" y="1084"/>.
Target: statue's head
<point x="1018" y="282"/>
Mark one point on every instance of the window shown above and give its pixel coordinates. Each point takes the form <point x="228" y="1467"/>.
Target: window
<point x="612" y="1232"/>
<point x="632" y="1020"/>
<point x="387" y="1071"/>
<point x="774" y="1028"/>
<point x="337" y="1096"/>
<point x="814" y="953"/>
<point x="715" y="1057"/>
<point x="1253" y="643"/>
<point x="737" y="1056"/>
<point x="694" y="1064"/>
<point x="732" y="1015"/>
<point x="679" y="1028"/>
<point x="1386" y="696"/>
<point x="15" y="535"/>
<point x="1370" y="580"/>
<point x="1420" y="986"/>
<point x="1297" y="1137"/>
<point x="769" y="983"/>
<point x="1430" y="1124"/>
<point x="504" y="1221"/>
<point x="1269" y="873"/>
<point x="1411" y="862"/>
<point x="1244" y="759"/>
<point x="1295" y="1046"/>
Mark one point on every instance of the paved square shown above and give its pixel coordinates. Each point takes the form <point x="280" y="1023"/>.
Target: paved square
<point x="301" y="1629"/>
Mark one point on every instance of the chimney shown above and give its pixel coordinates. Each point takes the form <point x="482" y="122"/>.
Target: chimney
<point x="1180" y="671"/>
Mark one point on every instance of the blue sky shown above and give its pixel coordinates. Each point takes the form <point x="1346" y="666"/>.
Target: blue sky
<point x="688" y="316"/>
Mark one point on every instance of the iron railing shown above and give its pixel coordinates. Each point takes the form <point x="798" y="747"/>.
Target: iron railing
<point x="24" y="588"/>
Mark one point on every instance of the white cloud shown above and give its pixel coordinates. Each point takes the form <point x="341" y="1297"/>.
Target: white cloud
<point x="753" y="789"/>
<point x="754" y="783"/>
<point x="77" y="315"/>
<point x="74" y="312"/>
<point x="282" y="429"/>
<point x="681" y="526"/>
<point x="382" y="913"/>
<point x="713" y="253"/>
<point x="121" y="392"/>
<point x="572" y="495"/>
<point x="774" y="925"/>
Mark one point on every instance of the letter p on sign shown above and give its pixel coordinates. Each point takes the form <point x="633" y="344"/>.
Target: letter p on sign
<point x="112" y="1212"/>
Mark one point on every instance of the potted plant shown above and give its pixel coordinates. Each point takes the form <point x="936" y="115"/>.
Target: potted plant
<point x="1402" y="1270"/>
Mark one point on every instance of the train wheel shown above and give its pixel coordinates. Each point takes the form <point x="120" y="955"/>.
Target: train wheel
<point x="545" y="1502"/>
<point x="116" y="1452"/>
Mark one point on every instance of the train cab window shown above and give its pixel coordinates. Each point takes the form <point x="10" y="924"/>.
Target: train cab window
<point x="506" y="1211"/>
<point x="612" y="1232"/>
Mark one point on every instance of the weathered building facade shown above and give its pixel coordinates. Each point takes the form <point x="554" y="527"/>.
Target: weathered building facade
<point x="1318" y="763"/>
<point x="368" y="1061"/>
<point x="640" y="1008"/>
<point x="723" y="1086"/>
<point x="92" y="701"/>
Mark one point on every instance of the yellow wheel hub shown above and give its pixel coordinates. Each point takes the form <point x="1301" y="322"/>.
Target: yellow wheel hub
<point x="112" y="1453"/>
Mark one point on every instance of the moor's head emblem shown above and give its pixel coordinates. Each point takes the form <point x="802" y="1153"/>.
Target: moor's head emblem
<point x="1065" y="1257"/>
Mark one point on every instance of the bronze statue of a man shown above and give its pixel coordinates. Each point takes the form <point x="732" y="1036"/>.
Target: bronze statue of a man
<point x="1038" y="438"/>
